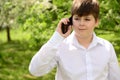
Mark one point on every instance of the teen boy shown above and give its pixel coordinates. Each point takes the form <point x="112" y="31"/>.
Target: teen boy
<point x="79" y="55"/>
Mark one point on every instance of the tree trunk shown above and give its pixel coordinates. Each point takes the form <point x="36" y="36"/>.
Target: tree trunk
<point x="8" y="33"/>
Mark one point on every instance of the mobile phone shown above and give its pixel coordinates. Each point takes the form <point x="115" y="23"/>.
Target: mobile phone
<point x="65" y="26"/>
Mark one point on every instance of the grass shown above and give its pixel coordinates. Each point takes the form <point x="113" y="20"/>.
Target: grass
<point x="15" y="60"/>
<point x="16" y="55"/>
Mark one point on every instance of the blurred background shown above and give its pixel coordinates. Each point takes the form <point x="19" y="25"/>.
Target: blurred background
<point x="25" y="25"/>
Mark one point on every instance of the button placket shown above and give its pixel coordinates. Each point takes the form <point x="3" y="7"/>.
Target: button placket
<point x="89" y="68"/>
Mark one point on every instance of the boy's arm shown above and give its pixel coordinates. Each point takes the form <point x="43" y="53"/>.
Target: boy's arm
<point x="43" y="61"/>
<point x="114" y="69"/>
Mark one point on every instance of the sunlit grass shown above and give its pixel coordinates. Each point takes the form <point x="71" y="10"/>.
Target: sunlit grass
<point x="16" y="34"/>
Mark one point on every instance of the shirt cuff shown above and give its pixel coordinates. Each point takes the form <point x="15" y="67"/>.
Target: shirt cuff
<point x="56" y="39"/>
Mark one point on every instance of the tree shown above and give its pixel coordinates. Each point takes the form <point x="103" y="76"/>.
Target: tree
<point x="9" y="11"/>
<point x="6" y="7"/>
<point x="109" y="15"/>
<point x="41" y="19"/>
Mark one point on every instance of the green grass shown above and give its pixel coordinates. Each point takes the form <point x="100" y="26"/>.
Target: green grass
<point x="15" y="60"/>
<point x="16" y="34"/>
<point x="15" y="56"/>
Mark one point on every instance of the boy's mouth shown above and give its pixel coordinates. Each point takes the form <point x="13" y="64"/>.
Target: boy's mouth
<point x="82" y="29"/>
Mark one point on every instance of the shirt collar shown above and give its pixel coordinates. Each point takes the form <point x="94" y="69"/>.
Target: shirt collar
<point x="96" y="40"/>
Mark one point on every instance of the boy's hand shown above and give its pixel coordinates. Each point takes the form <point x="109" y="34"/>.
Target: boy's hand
<point x="59" y="27"/>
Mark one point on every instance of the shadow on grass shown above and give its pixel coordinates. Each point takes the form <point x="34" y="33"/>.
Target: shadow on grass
<point x="16" y="45"/>
<point x="15" y="52"/>
<point x="15" y="57"/>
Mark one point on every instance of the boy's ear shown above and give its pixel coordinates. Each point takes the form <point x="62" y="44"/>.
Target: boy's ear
<point x="97" y="22"/>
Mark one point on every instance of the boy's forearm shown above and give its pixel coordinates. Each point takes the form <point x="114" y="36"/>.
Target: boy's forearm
<point x="44" y="60"/>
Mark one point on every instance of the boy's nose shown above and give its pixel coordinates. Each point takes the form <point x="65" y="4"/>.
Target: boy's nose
<point x="81" y="23"/>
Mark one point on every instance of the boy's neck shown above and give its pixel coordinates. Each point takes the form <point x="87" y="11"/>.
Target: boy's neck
<point x="85" y="42"/>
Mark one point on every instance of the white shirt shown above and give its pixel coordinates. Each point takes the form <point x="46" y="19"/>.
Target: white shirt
<point x="74" y="62"/>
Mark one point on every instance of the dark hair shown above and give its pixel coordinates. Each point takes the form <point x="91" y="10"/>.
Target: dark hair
<point x="85" y="7"/>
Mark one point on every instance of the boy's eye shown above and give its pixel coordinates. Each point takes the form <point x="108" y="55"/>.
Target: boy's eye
<point x="87" y="19"/>
<point x="76" y="18"/>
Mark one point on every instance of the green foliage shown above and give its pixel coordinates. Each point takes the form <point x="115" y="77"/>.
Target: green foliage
<point x="110" y="15"/>
<point x="42" y="18"/>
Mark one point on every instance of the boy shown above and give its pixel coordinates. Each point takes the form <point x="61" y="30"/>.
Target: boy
<point x="79" y="55"/>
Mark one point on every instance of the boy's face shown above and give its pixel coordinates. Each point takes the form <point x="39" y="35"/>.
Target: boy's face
<point x="84" y="25"/>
